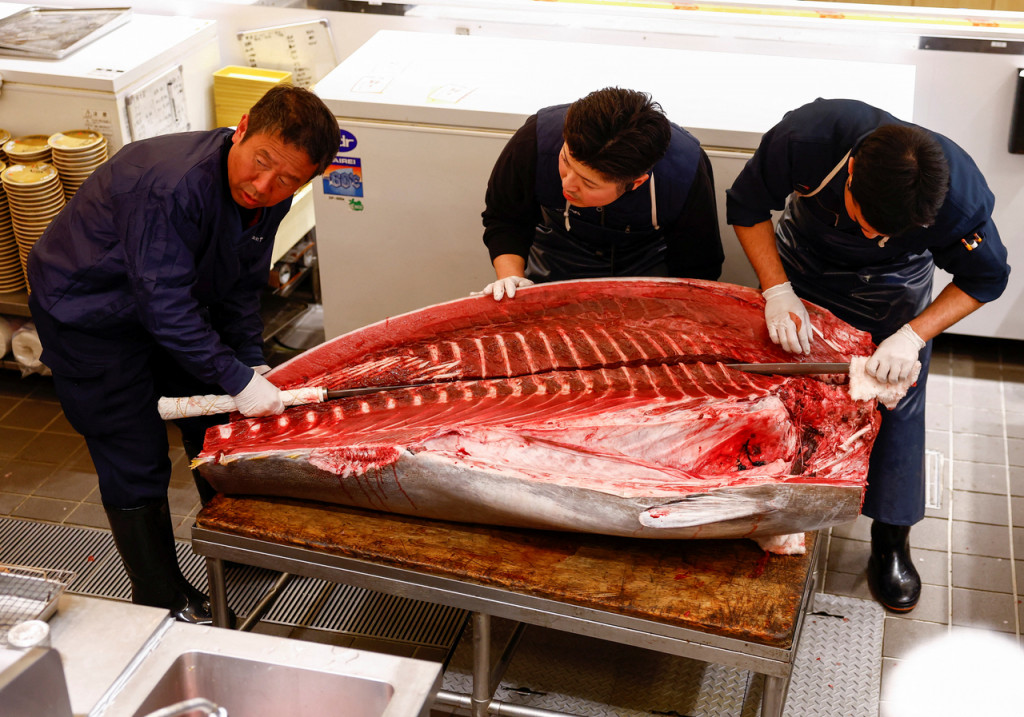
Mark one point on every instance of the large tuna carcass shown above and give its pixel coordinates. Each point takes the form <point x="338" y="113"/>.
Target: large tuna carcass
<point x="596" y="405"/>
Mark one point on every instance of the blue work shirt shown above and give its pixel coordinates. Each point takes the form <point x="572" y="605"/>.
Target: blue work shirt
<point x="800" y="151"/>
<point x="153" y="242"/>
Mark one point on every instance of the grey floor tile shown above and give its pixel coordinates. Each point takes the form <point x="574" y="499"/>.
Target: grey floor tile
<point x="937" y="441"/>
<point x="930" y="534"/>
<point x="848" y="585"/>
<point x="987" y="421"/>
<point x="1015" y="450"/>
<point x="23" y="477"/>
<point x="91" y="515"/>
<point x="980" y="573"/>
<point x="901" y="635"/>
<point x="51" y="447"/>
<point x="67" y="485"/>
<point x="977" y="392"/>
<point x="980" y="539"/>
<point x="990" y="508"/>
<point x="847" y="556"/>
<point x="32" y="415"/>
<point x="10" y="501"/>
<point x="48" y="509"/>
<point x="888" y="666"/>
<point x="94" y="496"/>
<point x="978" y="608"/>
<point x="932" y="607"/>
<point x="7" y="404"/>
<point x="1015" y="424"/>
<point x="60" y="425"/>
<point x="80" y="460"/>
<point x="182" y="498"/>
<point x="932" y="565"/>
<point x="982" y="477"/>
<point x="938" y="416"/>
<point x="14" y="440"/>
<point x="978" y="448"/>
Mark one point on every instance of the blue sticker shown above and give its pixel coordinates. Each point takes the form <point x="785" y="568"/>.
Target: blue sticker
<point x="344" y="177"/>
<point x="347" y="142"/>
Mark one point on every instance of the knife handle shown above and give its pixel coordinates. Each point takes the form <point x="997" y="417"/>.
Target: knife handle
<point x="191" y="406"/>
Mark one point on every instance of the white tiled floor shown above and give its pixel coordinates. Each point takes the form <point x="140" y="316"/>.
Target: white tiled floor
<point x="970" y="551"/>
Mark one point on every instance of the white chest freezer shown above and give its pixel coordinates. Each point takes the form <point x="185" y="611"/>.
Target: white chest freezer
<point x="150" y="76"/>
<point x="424" y="117"/>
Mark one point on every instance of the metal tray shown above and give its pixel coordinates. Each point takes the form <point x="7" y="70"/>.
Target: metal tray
<point x="55" y="33"/>
<point x="29" y="594"/>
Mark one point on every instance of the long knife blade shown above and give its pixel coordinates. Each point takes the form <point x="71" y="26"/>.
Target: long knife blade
<point x="363" y="390"/>
<point x="795" y="368"/>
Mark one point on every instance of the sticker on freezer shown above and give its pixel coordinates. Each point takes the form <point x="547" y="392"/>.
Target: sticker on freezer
<point x="347" y="141"/>
<point x="344" y="178"/>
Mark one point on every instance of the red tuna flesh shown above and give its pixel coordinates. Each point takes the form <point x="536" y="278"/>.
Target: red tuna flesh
<point x="595" y="405"/>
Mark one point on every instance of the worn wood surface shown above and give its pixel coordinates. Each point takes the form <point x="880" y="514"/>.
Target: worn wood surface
<point x="725" y="587"/>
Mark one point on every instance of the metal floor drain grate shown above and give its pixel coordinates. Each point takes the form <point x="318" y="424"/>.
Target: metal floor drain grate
<point x="305" y="602"/>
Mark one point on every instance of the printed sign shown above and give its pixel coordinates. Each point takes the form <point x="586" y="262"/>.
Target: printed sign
<point x="344" y="178"/>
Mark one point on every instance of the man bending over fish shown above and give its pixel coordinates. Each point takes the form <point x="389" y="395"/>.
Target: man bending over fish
<point x="606" y="186"/>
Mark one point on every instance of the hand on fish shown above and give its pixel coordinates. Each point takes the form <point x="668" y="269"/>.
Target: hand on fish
<point x="789" y="325"/>
<point x="504" y="287"/>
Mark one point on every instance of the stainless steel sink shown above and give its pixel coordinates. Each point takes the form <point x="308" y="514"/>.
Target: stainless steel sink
<point x="252" y="687"/>
<point x="251" y="675"/>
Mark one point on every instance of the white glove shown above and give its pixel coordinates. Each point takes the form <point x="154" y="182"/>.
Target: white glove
<point x="506" y="286"/>
<point x="259" y="398"/>
<point x="779" y="303"/>
<point x="895" y="357"/>
<point x="262" y="369"/>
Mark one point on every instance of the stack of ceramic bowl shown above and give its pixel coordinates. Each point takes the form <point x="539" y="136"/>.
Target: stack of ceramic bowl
<point x="12" y="277"/>
<point x="35" y="196"/>
<point x="4" y="136"/>
<point x="76" y="154"/>
<point x="28" y="149"/>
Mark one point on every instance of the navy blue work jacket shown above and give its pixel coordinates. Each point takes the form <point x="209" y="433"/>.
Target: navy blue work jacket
<point x="799" y="152"/>
<point x="153" y="243"/>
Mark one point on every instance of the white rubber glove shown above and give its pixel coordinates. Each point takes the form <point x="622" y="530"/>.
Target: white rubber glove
<point x="895" y="357"/>
<point x="780" y="303"/>
<point x="259" y="398"/>
<point x="505" y="287"/>
<point x="262" y="369"/>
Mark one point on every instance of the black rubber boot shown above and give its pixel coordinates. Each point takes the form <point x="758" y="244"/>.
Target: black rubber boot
<point x="891" y="573"/>
<point x="145" y="539"/>
<point x="193" y="447"/>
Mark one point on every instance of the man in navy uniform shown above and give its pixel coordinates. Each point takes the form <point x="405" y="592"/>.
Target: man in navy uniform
<point x="871" y="205"/>
<point x="148" y="283"/>
<point x="606" y="186"/>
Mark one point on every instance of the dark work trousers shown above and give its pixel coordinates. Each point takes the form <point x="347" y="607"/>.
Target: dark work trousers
<point x="108" y="385"/>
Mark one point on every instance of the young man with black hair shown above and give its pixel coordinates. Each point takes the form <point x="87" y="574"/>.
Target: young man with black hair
<point x="606" y="186"/>
<point x="148" y="283"/>
<point x="871" y="205"/>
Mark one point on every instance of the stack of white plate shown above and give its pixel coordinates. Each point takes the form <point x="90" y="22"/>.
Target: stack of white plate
<point x="4" y="136"/>
<point x="76" y="154"/>
<point x="12" y="277"/>
<point x="28" y="149"/>
<point x="35" y="196"/>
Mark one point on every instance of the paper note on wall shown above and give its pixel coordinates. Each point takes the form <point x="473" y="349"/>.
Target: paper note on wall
<point x="159" y="107"/>
<point x="305" y="49"/>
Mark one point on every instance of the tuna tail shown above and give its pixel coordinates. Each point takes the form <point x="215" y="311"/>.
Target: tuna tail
<point x="703" y="509"/>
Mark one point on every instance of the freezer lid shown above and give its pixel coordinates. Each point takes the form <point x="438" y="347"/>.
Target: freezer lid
<point x="495" y="82"/>
<point x="143" y="45"/>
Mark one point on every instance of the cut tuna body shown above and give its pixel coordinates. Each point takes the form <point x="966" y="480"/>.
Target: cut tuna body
<point x="596" y="405"/>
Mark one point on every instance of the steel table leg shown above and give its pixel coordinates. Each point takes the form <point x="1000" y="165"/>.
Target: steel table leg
<point x="218" y="592"/>
<point x="774" y="698"/>
<point x="481" y="699"/>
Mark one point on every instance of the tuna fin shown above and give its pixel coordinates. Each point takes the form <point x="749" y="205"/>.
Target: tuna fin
<point x="702" y="509"/>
